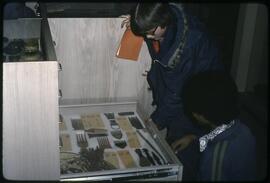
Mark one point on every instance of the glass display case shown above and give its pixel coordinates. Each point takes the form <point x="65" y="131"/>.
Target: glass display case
<point x="26" y="39"/>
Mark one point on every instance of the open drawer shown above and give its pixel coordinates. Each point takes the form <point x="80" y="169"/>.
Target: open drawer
<point x="109" y="141"/>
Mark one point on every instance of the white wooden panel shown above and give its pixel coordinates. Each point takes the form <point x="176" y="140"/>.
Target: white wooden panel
<point x="30" y="121"/>
<point x="86" y="48"/>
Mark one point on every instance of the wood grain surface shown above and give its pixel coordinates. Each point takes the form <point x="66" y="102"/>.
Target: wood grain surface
<point x="86" y="48"/>
<point x="30" y="121"/>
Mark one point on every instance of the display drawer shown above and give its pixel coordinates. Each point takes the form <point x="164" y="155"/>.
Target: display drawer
<point x="109" y="141"/>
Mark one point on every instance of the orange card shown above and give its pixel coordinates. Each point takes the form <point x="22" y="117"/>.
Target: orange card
<point x="130" y="46"/>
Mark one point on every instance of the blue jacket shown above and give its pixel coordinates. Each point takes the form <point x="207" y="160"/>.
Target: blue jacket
<point x="166" y="78"/>
<point x="231" y="156"/>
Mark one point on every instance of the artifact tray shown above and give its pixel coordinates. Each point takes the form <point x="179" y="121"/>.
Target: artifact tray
<point x="105" y="142"/>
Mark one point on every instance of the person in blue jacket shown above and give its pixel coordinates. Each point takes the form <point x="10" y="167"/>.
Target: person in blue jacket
<point x="179" y="47"/>
<point x="227" y="149"/>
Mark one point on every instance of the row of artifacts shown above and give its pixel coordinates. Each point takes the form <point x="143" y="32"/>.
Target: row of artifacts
<point x="106" y="144"/>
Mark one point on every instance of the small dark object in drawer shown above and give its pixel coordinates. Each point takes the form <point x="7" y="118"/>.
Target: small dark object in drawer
<point x="109" y="115"/>
<point x="135" y="122"/>
<point x="125" y="113"/>
<point x="120" y="143"/>
<point x="117" y="134"/>
<point x="77" y="124"/>
<point x="114" y="125"/>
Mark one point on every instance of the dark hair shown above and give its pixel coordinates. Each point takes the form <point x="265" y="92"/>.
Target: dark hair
<point x="146" y="16"/>
<point x="212" y="94"/>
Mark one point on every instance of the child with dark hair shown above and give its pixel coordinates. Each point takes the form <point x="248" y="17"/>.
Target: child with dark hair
<point x="227" y="149"/>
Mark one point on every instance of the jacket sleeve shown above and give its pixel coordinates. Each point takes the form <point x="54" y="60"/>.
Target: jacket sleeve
<point x="243" y="160"/>
<point x="170" y="114"/>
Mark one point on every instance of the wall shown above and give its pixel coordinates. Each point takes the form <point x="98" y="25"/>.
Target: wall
<point x="250" y="58"/>
<point x="258" y="71"/>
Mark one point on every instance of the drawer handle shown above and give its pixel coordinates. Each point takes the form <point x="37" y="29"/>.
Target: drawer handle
<point x="145" y="74"/>
<point x="59" y="67"/>
<point x="59" y="93"/>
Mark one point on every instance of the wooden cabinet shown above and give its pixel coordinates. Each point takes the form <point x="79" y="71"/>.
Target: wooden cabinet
<point x="30" y="107"/>
<point x="30" y="121"/>
<point x="92" y="79"/>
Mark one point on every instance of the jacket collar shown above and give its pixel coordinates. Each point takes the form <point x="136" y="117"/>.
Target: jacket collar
<point x="218" y="133"/>
<point x="179" y="26"/>
<point x="170" y="55"/>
